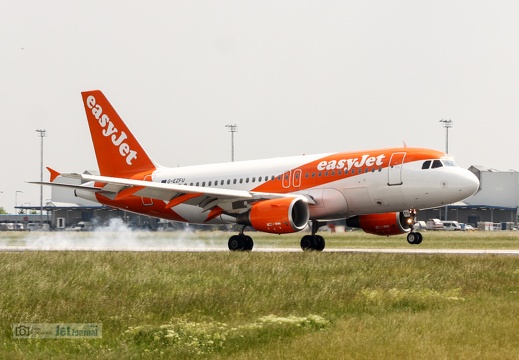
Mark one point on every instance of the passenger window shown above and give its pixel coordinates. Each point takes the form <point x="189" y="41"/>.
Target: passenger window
<point x="436" y="164"/>
<point x="426" y="165"/>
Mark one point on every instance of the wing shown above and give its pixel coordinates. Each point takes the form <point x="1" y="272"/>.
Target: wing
<point x="232" y="202"/>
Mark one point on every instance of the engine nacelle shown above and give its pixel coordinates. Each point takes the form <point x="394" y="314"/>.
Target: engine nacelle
<point x="393" y="223"/>
<point x="277" y="216"/>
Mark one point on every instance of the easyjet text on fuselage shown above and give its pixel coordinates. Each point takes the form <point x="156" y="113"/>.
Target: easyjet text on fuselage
<point x="365" y="160"/>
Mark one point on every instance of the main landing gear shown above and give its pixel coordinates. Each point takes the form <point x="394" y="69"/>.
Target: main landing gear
<point x="313" y="242"/>
<point x="240" y="242"/>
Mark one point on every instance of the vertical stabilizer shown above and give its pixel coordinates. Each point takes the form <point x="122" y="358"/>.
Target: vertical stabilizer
<point x="118" y="152"/>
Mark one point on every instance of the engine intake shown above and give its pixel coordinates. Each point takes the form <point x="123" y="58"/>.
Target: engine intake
<point x="277" y="216"/>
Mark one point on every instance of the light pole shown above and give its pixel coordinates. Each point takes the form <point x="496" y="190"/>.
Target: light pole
<point x="41" y="134"/>
<point x="232" y="130"/>
<point x="447" y="124"/>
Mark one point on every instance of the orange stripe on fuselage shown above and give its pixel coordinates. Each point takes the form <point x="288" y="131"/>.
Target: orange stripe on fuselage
<point x="333" y="167"/>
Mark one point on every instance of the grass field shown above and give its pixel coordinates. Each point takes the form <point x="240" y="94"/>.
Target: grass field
<point x="258" y="305"/>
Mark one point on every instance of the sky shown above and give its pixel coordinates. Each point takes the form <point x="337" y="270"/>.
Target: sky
<point x="295" y="76"/>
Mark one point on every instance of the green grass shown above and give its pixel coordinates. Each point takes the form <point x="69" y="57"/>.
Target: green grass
<point x="257" y="305"/>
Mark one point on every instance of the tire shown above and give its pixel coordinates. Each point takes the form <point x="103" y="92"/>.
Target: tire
<point x="419" y="238"/>
<point x="248" y="243"/>
<point x="235" y="243"/>
<point x="318" y="243"/>
<point x="412" y="238"/>
<point x="307" y="243"/>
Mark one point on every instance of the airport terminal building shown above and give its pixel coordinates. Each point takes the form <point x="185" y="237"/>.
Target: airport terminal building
<point x="496" y="201"/>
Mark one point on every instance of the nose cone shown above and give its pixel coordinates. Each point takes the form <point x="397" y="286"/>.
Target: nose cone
<point x="468" y="184"/>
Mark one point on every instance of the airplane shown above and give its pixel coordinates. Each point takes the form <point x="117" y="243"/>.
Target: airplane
<point x="379" y="191"/>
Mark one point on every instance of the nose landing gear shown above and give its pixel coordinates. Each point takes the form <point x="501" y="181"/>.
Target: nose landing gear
<point x="414" y="237"/>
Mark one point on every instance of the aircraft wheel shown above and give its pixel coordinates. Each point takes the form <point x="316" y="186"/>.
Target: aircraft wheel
<point x="307" y="243"/>
<point x="235" y="243"/>
<point x="414" y="238"/>
<point x="240" y="243"/>
<point x="312" y="243"/>
<point x="318" y="243"/>
<point x="419" y="239"/>
<point x="248" y="243"/>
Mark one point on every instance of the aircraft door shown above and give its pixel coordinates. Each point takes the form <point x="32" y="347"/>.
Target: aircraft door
<point x="395" y="169"/>
<point x="292" y="178"/>
<point x="296" y="181"/>
<point x="286" y="179"/>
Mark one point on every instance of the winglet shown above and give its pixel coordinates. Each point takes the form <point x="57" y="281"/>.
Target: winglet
<point x="53" y="174"/>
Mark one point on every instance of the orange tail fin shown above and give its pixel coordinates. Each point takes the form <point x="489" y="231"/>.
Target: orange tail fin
<point x="118" y="152"/>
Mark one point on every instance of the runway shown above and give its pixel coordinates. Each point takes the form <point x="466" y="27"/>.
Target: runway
<point x="176" y="248"/>
<point x="122" y="239"/>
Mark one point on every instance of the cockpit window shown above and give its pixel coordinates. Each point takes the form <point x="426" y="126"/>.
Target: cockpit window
<point x="436" y="164"/>
<point x="449" y="163"/>
<point x="426" y="164"/>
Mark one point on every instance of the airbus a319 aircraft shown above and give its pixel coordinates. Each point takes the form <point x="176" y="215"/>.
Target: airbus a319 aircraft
<point x="379" y="191"/>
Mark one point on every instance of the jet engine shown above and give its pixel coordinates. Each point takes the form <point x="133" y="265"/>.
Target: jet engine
<point x="393" y="223"/>
<point x="277" y="216"/>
